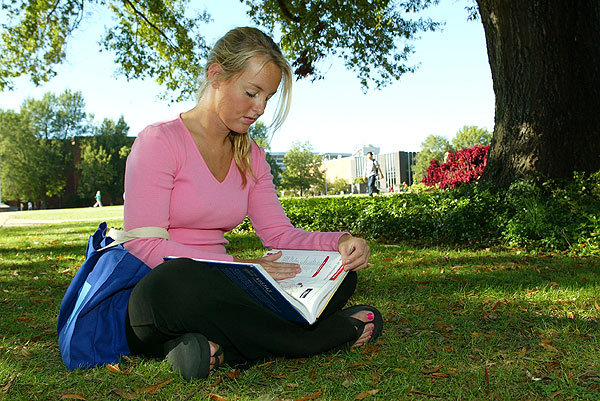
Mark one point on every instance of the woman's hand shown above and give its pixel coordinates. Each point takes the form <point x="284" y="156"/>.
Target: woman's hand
<point x="277" y="270"/>
<point x="355" y="252"/>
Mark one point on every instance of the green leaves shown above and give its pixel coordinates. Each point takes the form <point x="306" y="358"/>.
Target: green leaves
<point x="161" y="39"/>
<point x="371" y="37"/>
<point x="150" y="38"/>
<point x="35" y="146"/>
<point x="156" y="39"/>
<point x="34" y="38"/>
<point x="301" y="168"/>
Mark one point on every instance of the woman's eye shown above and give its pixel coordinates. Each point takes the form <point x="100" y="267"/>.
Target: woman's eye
<point x="251" y="94"/>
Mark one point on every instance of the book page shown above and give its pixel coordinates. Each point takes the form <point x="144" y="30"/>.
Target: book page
<point x="319" y="277"/>
<point x="314" y="264"/>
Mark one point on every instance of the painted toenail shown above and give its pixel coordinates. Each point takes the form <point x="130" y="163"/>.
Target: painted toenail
<point x="370" y="316"/>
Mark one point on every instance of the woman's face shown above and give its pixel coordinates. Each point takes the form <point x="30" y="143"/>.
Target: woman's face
<point x="242" y="99"/>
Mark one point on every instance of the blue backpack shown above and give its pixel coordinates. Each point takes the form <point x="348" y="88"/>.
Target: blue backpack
<point x="91" y="320"/>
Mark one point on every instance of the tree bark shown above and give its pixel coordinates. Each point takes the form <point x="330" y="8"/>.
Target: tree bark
<point x="545" y="62"/>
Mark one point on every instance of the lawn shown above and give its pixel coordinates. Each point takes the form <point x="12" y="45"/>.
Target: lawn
<point x="491" y="324"/>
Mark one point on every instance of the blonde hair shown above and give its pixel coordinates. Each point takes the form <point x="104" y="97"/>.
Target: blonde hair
<point x="232" y="52"/>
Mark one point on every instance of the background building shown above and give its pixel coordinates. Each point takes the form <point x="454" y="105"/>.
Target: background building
<point x="396" y="167"/>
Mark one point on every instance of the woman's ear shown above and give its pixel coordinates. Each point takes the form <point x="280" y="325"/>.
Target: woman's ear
<point x="215" y="75"/>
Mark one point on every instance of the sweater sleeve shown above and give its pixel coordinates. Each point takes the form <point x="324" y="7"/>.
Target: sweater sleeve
<point x="269" y="219"/>
<point x="152" y="167"/>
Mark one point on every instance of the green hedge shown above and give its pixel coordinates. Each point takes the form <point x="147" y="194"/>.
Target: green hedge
<point x="533" y="215"/>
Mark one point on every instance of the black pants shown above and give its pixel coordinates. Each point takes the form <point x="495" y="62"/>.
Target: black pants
<point x="183" y="296"/>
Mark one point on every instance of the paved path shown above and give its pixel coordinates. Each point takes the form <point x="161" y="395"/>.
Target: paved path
<point x="7" y="221"/>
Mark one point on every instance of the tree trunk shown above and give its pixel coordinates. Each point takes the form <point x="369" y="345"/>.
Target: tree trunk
<point x="545" y="62"/>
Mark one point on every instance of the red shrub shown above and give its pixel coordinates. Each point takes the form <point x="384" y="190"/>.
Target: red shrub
<point x="465" y="165"/>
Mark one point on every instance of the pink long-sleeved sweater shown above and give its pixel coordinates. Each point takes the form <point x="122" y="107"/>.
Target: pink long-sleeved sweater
<point x="167" y="184"/>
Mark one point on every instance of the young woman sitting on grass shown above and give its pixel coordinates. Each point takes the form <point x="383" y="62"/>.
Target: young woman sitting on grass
<point x="199" y="175"/>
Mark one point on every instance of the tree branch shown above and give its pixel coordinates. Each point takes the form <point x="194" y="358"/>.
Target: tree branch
<point x="142" y="16"/>
<point x="53" y="9"/>
<point x="286" y="12"/>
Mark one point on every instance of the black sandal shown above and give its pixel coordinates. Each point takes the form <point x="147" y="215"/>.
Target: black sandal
<point x="189" y="355"/>
<point x="360" y="325"/>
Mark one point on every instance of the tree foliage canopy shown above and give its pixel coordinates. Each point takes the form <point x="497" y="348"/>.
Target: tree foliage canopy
<point x="103" y="158"/>
<point x="149" y="38"/>
<point x="159" y="39"/>
<point x="372" y="37"/>
<point x="301" y="168"/>
<point x="434" y="147"/>
<point x="35" y="147"/>
<point x="469" y="136"/>
<point x="38" y="146"/>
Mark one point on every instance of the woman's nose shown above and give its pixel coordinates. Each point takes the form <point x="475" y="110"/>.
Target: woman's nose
<point x="259" y="106"/>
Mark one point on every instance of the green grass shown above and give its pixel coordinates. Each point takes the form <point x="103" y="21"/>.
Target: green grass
<point x="460" y="325"/>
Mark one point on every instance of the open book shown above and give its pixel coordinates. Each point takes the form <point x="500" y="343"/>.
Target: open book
<point x="301" y="298"/>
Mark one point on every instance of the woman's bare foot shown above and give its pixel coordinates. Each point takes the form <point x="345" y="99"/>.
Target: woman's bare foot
<point x="365" y="316"/>
<point x="214" y="352"/>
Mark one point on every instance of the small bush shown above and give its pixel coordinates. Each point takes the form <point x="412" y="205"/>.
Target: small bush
<point x="463" y="166"/>
<point x="553" y="215"/>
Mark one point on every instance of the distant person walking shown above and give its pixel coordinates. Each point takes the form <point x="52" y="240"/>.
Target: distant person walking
<point x="98" y="200"/>
<point x="372" y="170"/>
<point x="29" y="205"/>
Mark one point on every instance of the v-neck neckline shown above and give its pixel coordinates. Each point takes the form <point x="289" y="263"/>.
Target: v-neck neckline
<point x="191" y="139"/>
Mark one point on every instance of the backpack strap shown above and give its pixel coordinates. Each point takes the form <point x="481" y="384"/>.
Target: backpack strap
<point x="120" y="236"/>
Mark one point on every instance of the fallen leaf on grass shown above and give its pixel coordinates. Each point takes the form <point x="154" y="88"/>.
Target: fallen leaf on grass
<point x="438" y="375"/>
<point x="72" y="396"/>
<point x="6" y="386"/>
<point x="264" y="365"/>
<point x="155" y="387"/>
<point x="423" y="393"/>
<point x="554" y="394"/>
<point x="219" y="380"/>
<point x="548" y="347"/>
<point x="24" y="319"/>
<point x="365" y="394"/>
<point x="357" y="364"/>
<point x="128" y="395"/>
<point x="370" y="349"/>
<point x="113" y="368"/>
<point x="522" y="352"/>
<point x="25" y="352"/>
<point x="233" y="374"/>
<point x="596" y="304"/>
<point x="116" y="369"/>
<point x="537" y="379"/>
<point x="273" y="375"/>
<point x="427" y="371"/>
<point x="216" y="397"/>
<point x="311" y="397"/>
<point x="44" y="334"/>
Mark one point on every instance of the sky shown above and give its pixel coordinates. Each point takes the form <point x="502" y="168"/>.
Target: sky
<point x="451" y="88"/>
